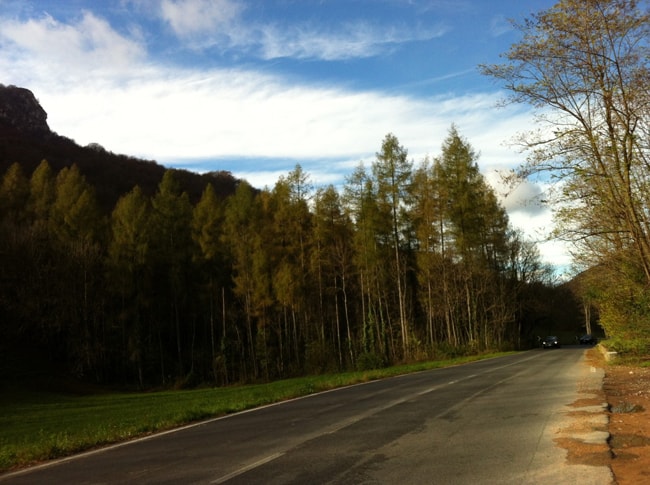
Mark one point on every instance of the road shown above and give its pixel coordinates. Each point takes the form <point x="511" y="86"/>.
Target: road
<point x="491" y="421"/>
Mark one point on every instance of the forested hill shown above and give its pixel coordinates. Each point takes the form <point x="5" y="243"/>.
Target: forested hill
<point x="26" y="139"/>
<point x="182" y="285"/>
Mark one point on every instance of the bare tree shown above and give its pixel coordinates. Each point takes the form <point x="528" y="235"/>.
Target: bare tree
<point x="584" y="65"/>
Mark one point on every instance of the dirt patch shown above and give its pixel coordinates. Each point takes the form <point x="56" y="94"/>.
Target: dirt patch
<point x="627" y="390"/>
<point x="593" y="401"/>
<point x="581" y="453"/>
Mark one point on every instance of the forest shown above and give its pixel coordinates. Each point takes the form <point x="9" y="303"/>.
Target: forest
<point x="407" y="261"/>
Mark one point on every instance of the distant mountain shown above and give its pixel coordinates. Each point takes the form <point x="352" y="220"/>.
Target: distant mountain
<point x="26" y="138"/>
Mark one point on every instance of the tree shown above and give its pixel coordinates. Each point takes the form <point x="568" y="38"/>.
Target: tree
<point x="369" y="259"/>
<point x="392" y="171"/>
<point x="75" y="216"/>
<point x="42" y="191"/>
<point x="242" y="240"/>
<point x="14" y="244"/>
<point x="36" y="265"/>
<point x="206" y="224"/>
<point x="465" y="190"/>
<point x="128" y="253"/>
<point x="14" y="193"/>
<point x="172" y="250"/>
<point x="428" y="216"/>
<point x="207" y="230"/>
<point x="289" y="210"/>
<point x="78" y="227"/>
<point x="584" y="65"/>
<point x="474" y="241"/>
<point x="332" y="266"/>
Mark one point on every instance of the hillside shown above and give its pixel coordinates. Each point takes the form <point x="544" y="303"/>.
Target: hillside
<point x="26" y="138"/>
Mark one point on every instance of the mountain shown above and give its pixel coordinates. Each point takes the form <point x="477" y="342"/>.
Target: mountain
<point x="26" y="139"/>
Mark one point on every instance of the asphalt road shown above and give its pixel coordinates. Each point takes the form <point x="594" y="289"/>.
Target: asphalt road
<point x="488" y="422"/>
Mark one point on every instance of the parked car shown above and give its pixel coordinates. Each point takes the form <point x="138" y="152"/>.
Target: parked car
<point x="588" y="339"/>
<point x="550" y="342"/>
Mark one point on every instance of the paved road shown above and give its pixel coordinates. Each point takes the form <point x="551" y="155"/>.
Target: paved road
<point x="488" y="422"/>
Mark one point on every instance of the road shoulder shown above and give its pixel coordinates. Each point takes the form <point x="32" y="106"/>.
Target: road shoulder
<point x="627" y="390"/>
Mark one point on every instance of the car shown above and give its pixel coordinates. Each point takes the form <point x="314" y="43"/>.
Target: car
<point x="587" y="339"/>
<point x="550" y="342"/>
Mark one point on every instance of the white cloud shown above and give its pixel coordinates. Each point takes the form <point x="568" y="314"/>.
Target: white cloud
<point x="88" y="45"/>
<point x="167" y="114"/>
<point x="537" y="227"/>
<point x="191" y="17"/>
<point x="520" y="195"/>
<point x="526" y="197"/>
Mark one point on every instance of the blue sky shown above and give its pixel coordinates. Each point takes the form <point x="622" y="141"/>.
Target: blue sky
<point x="257" y="86"/>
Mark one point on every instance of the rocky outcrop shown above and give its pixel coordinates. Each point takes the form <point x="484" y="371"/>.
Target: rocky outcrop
<point x="20" y="110"/>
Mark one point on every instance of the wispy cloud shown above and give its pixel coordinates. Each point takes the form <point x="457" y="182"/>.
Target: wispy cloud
<point x="89" y="43"/>
<point x="223" y="24"/>
<point x="189" y="18"/>
<point x="352" y="40"/>
<point x="438" y="5"/>
<point x="438" y="79"/>
<point x="499" y="25"/>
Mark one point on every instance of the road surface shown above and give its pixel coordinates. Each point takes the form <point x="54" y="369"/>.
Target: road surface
<point x="491" y="421"/>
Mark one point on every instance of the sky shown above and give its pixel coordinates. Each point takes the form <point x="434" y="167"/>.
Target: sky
<point x="255" y="87"/>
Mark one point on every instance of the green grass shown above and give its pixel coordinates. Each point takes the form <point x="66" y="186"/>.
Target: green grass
<point x="37" y="426"/>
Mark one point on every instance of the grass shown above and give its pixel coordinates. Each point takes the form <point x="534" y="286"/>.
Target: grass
<point x="36" y="426"/>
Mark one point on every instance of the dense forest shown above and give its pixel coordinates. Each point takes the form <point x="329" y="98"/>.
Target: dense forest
<point x="406" y="261"/>
<point x="121" y="271"/>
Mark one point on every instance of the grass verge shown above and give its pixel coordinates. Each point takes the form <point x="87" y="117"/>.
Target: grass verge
<point x="36" y="426"/>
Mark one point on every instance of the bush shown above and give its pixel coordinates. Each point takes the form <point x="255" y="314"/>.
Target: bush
<point x="370" y="361"/>
<point x="638" y="347"/>
<point x="319" y="359"/>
